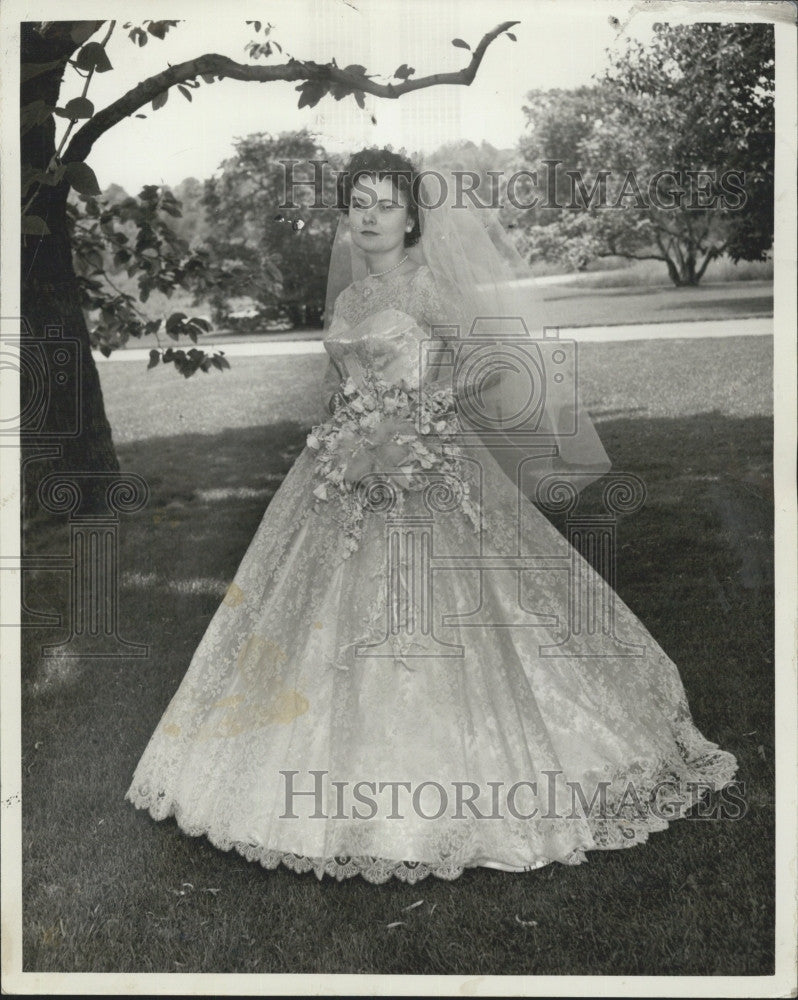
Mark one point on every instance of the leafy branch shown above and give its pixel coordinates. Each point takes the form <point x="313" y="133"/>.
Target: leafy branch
<point x="318" y="80"/>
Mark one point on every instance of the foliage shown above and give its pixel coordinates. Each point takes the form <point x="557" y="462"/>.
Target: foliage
<point x="276" y="255"/>
<point x="160" y="257"/>
<point x="144" y="244"/>
<point x="697" y="101"/>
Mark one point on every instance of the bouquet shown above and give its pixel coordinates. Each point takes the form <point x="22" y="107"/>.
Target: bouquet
<point x="404" y="432"/>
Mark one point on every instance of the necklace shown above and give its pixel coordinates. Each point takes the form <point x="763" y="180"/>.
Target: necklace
<point x="379" y="274"/>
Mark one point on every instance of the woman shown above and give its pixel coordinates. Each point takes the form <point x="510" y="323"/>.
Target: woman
<point x="394" y="684"/>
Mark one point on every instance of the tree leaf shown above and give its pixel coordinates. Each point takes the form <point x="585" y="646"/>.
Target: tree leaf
<point x="79" y="107"/>
<point x="360" y="97"/>
<point x="175" y="321"/>
<point x="160" y="99"/>
<point x="339" y="91"/>
<point x="82" y="30"/>
<point x="33" y="225"/>
<point x="157" y="28"/>
<point x="311" y="93"/>
<point x="155" y="357"/>
<point x="52" y="177"/>
<point x="93" y="56"/>
<point x="460" y="44"/>
<point x="511" y="36"/>
<point x="82" y="178"/>
<point x="34" y="114"/>
<point x="184" y="91"/>
<point x="355" y="70"/>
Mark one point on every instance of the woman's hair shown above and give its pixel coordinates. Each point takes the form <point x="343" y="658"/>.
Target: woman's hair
<point x="380" y="163"/>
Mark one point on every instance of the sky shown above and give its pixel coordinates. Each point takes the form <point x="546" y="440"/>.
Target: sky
<point x="560" y="43"/>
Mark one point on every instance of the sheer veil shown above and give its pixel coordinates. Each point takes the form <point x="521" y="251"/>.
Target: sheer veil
<point x="515" y="379"/>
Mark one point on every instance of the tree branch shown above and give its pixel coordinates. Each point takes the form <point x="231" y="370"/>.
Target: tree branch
<point x="711" y="255"/>
<point x="224" y="67"/>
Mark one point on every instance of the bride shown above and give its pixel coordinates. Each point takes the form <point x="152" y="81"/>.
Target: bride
<point x="413" y="672"/>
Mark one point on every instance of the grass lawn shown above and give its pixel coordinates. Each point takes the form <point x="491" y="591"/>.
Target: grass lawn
<point x="585" y="300"/>
<point x="584" y="304"/>
<point x="108" y="889"/>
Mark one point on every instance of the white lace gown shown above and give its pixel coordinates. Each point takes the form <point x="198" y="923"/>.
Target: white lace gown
<point x="477" y="729"/>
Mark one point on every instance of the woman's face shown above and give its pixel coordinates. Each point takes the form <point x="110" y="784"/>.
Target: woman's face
<point x="378" y="215"/>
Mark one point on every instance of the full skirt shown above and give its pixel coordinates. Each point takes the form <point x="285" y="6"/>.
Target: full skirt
<point x="439" y="698"/>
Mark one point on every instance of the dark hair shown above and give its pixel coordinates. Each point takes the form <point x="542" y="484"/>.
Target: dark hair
<point x="378" y="164"/>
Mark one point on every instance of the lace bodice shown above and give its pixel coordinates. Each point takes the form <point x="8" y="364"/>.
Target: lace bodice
<point x="407" y="305"/>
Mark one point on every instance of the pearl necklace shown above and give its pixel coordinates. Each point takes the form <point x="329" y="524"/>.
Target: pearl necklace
<point x="379" y="274"/>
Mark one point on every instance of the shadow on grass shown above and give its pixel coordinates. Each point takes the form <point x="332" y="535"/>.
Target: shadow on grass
<point x="721" y="295"/>
<point x="107" y="889"/>
<point x="758" y="304"/>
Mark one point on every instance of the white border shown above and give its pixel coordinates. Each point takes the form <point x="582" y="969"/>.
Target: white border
<point x="783" y="14"/>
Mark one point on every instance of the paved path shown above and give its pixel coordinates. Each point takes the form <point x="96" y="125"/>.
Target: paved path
<point x="755" y="326"/>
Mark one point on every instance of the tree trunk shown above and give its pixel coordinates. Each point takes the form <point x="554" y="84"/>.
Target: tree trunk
<point x="65" y="428"/>
<point x="63" y="423"/>
<point x="673" y="272"/>
<point x="296" y="314"/>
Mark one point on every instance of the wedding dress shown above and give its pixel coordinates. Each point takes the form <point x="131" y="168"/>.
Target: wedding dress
<point x="417" y="699"/>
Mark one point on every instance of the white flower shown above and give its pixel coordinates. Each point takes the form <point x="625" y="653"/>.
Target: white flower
<point x="313" y="442"/>
<point x="349" y="388"/>
<point x="373" y="419"/>
<point x="335" y="476"/>
<point x="321" y="491"/>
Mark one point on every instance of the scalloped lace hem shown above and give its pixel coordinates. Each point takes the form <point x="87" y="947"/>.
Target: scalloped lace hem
<point x="376" y="870"/>
<point x="713" y="770"/>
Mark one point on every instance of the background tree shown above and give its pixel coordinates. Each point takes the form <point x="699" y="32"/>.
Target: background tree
<point x="698" y="100"/>
<point x="192" y="223"/>
<point x="277" y="256"/>
<point x="56" y="54"/>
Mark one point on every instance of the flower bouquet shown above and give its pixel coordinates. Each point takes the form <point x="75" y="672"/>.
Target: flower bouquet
<point x="403" y="432"/>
